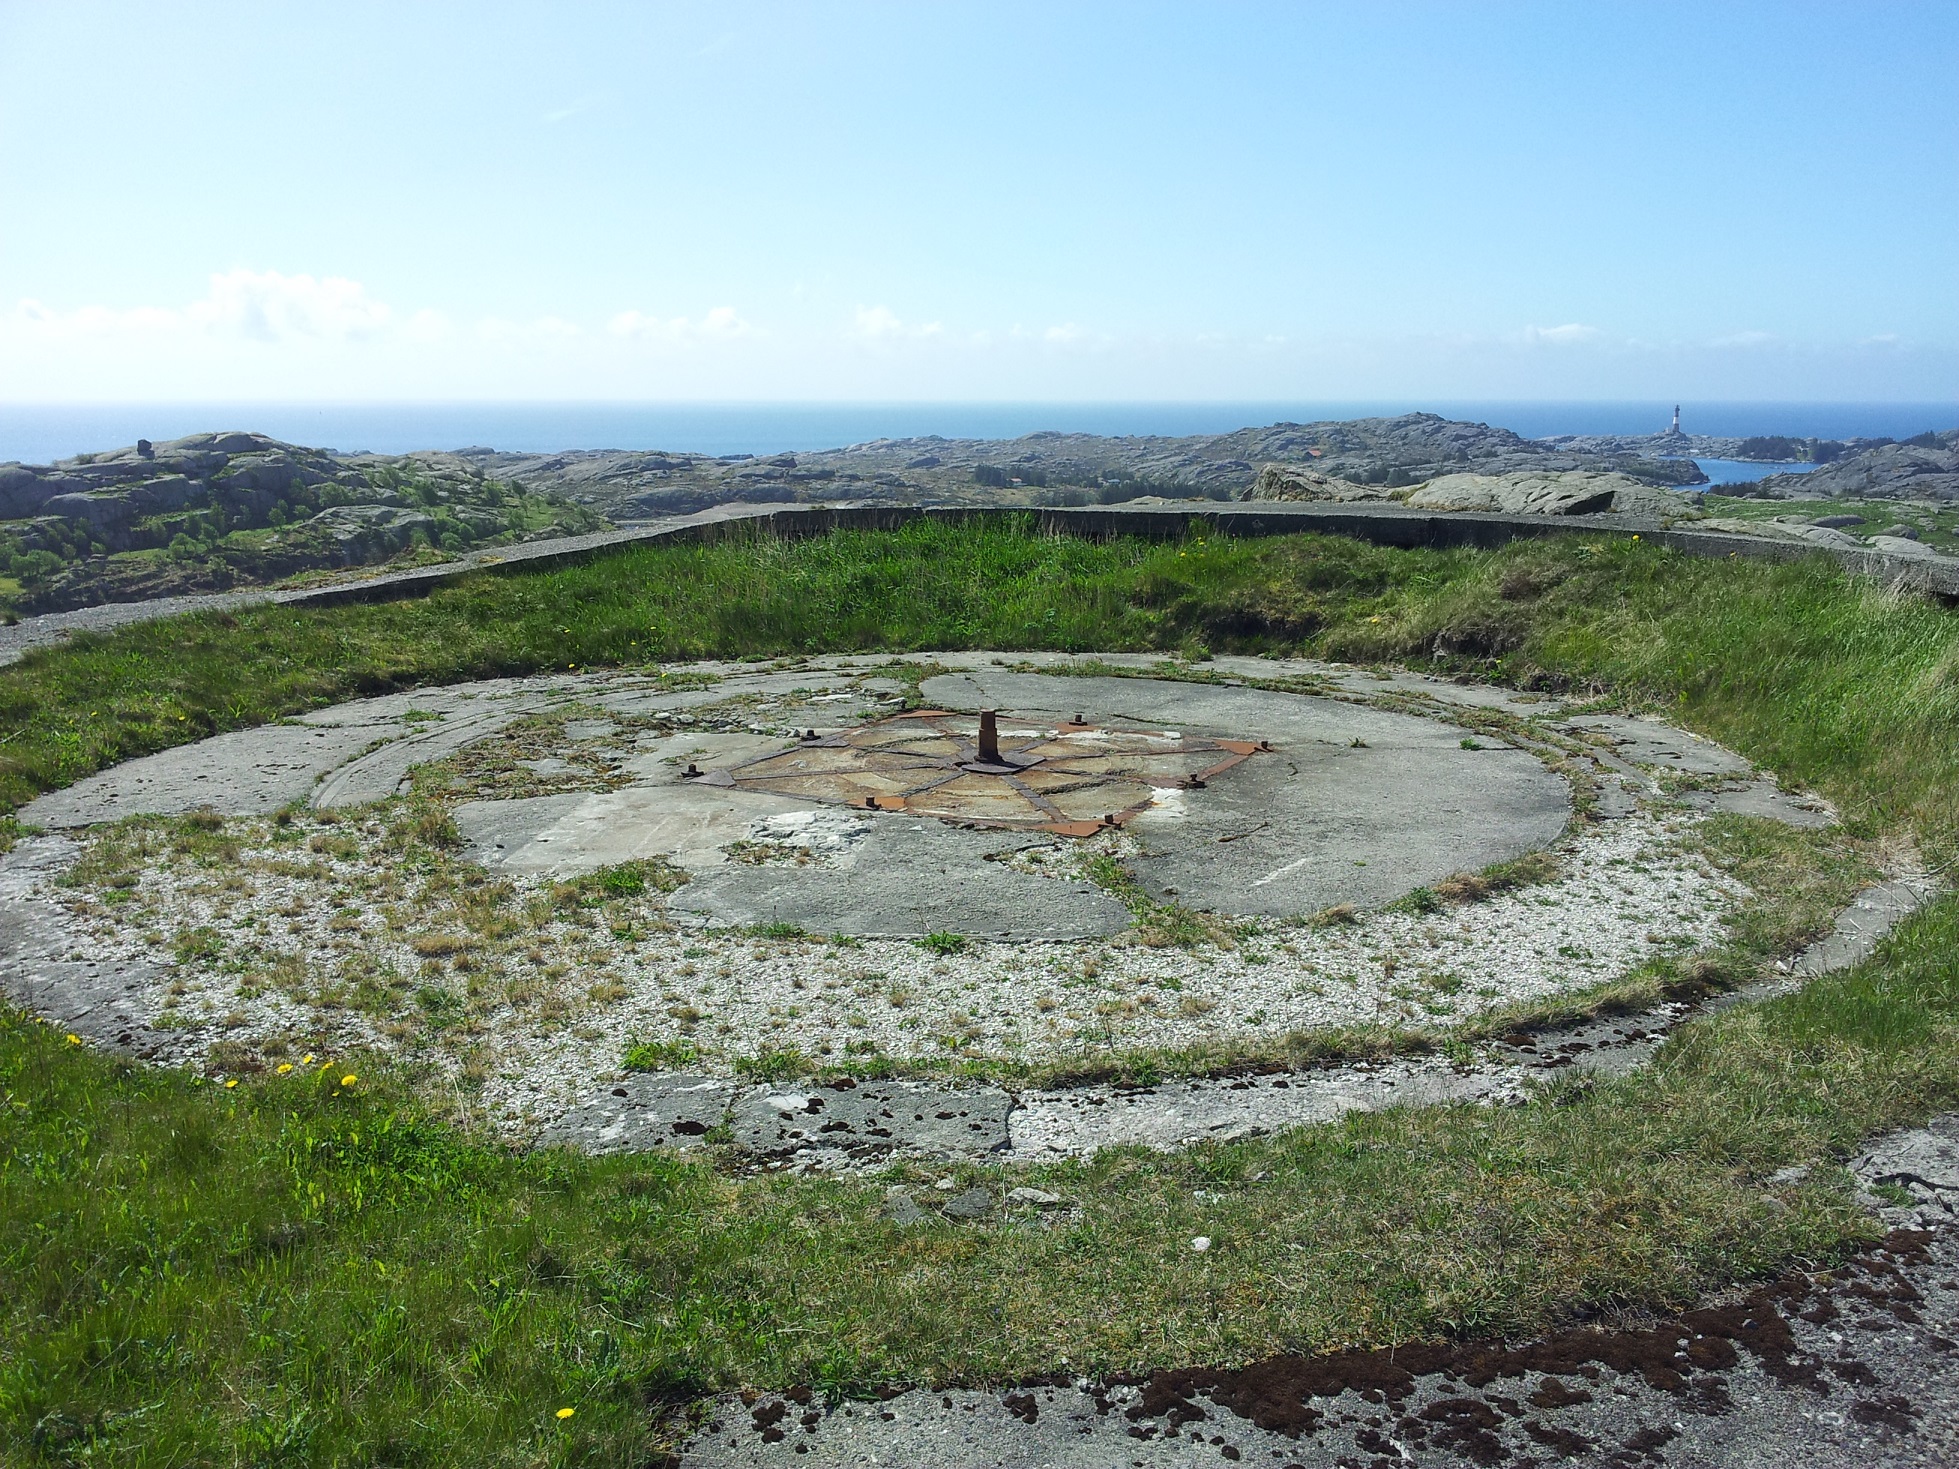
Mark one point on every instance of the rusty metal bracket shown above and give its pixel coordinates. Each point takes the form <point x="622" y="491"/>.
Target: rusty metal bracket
<point x="1073" y="779"/>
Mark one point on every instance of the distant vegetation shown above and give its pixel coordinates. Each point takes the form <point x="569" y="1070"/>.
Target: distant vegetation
<point x="1775" y="448"/>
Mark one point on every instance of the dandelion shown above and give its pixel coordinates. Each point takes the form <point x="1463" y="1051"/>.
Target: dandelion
<point x="306" y="1061"/>
<point x="73" y="1039"/>
<point x="233" y="1082"/>
<point x="349" y="1079"/>
<point x="284" y="1067"/>
<point x="566" y="1412"/>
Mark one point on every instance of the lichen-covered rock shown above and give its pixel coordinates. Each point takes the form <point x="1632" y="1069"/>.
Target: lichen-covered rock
<point x="1296" y="482"/>
<point x="1564" y="492"/>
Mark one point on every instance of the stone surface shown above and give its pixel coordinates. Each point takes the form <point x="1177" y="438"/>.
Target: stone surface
<point x="305" y="510"/>
<point x="1569" y="492"/>
<point x="249" y="772"/>
<point x="901" y="1208"/>
<point x="646" y="1112"/>
<point x="872" y="1119"/>
<point x="102" y="1003"/>
<point x="1888" y="471"/>
<point x="972" y="1203"/>
<point x="1924" y="1163"/>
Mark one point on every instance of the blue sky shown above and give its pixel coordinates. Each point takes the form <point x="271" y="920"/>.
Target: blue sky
<point x="944" y="201"/>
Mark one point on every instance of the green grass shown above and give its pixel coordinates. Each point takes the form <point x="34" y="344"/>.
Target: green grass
<point x="1937" y="526"/>
<point x="296" y="1272"/>
<point x="299" y="1272"/>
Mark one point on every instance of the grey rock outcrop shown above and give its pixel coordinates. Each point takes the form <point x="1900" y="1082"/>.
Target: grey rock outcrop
<point x="1563" y="492"/>
<point x="1551" y="492"/>
<point x="1890" y="472"/>
<point x="365" y="533"/>
<point x="1050" y="468"/>
<point x="64" y="525"/>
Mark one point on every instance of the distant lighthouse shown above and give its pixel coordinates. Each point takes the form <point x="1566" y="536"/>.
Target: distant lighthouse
<point x="1676" y="420"/>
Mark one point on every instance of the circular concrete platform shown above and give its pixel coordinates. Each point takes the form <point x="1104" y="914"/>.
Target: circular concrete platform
<point x="761" y="785"/>
<point x="834" y="860"/>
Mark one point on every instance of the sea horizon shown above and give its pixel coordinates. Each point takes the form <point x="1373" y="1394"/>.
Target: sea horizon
<point x="36" y="433"/>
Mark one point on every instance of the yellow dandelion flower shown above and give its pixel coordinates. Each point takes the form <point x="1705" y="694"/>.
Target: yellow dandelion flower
<point x="349" y="1079"/>
<point x="284" y="1067"/>
<point x="73" y="1039"/>
<point x="566" y="1412"/>
<point x="308" y="1061"/>
<point x="233" y="1082"/>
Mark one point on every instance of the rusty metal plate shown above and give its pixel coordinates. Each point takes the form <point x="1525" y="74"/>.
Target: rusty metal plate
<point x="1072" y="779"/>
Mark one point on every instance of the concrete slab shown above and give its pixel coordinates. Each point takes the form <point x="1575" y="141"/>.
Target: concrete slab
<point x="247" y="773"/>
<point x="1660" y="746"/>
<point x="907" y="876"/>
<point x="104" y="1003"/>
<point x="1079" y="1121"/>
<point x="568" y="835"/>
<point x="1766" y="799"/>
<point x="842" y="1122"/>
<point x="382" y="772"/>
<point x="1835" y="1381"/>
<point x="646" y="1112"/>
<point x="871" y="1119"/>
<point x="1862" y="926"/>
<point x="1353" y="805"/>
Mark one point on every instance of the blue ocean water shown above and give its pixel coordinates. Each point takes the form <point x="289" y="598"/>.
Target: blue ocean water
<point x="37" y="433"/>
<point x="1746" y="471"/>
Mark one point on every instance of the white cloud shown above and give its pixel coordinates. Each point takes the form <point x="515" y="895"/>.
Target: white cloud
<point x="427" y="326"/>
<point x="1744" y="339"/>
<point x="881" y="324"/>
<point x="262" y="306"/>
<point x="1569" y="335"/>
<point x="268" y="306"/>
<point x="718" y="324"/>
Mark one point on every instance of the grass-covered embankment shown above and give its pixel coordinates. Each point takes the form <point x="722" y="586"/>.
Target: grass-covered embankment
<point x="299" y="1271"/>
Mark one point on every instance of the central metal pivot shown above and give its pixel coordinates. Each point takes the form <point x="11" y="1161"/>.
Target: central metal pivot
<point x="989" y="736"/>
<point x="989" y="760"/>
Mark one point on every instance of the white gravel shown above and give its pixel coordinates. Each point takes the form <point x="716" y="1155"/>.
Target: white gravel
<point x="286" y="950"/>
